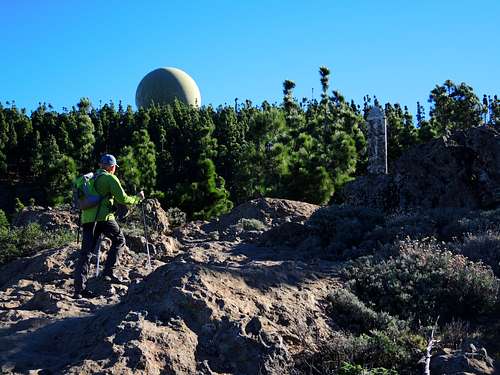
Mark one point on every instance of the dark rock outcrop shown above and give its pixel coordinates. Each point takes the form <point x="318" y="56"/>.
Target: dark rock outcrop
<point x="48" y="218"/>
<point x="462" y="170"/>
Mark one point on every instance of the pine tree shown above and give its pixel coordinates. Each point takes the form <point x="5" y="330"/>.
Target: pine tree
<point x="494" y="108"/>
<point x="37" y="161"/>
<point x="408" y="135"/>
<point x="230" y="142"/>
<point x="288" y="100"/>
<point x="59" y="172"/>
<point x="4" y="138"/>
<point x="454" y="107"/>
<point x="395" y="126"/>
<point x="307" y="179"/>
<point x="84" y="141"/>
<point x="206" y="196"/>
<point x="162" y="120"/>
<point x="18" y="145"/>
<point x="420" y="114"/>
<point x="145" y="155"/>
<point x="263" y="145"/>
<point x="99" y="135"/>
<point x="325" y="83"/>
<point x="129" y="170"/>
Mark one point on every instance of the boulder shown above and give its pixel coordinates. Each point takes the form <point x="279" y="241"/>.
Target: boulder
<point x="249" y="220"/>
<point x="459" y="362"/>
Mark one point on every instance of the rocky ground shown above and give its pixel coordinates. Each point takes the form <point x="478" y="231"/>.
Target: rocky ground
<point x="214" y="304"/>
<point x="220" y="298"/>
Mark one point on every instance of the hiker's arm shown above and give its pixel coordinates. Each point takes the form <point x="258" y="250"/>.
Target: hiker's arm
<point x="120" y="195"/>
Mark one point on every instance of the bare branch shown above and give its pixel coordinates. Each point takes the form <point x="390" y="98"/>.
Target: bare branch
<point x="427" y="370"/>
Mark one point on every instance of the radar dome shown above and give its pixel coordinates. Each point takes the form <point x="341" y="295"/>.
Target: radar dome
<point x="163" y="85"/>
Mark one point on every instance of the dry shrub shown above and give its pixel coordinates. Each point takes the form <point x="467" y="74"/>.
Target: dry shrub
<point x="484" y="247"/>
<point x="453" y="334"/>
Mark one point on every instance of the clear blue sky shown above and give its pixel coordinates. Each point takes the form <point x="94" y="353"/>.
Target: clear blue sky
<point x="58" y="51"/>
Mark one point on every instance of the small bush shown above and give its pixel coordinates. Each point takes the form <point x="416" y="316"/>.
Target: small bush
<point x="351" y="314"/>
<point x="18" y="205"/>
<point x="395" y="352"/>
<point x="341" y="227"/>
<point x="251" y="224"/>
<point x="25" y="241"/>
<point x="386" y="350"/>
<point x="176" y="217"/>
<point x="445" y="224"/>
<point x="485" y="220"/>
<point x="425" y="281"/>
<point x="4" y="222"/>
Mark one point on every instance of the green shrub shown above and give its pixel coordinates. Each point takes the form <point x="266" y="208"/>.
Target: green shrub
<point x="350" y="313"/>
<point x="425" y="281"/>
<point x="392" y="351"/>
<point x="251" y="224"/>
<point x="25" y="241"/>
<point x="350" y="369"/>
<point x="341" y="227"/>
<point x="18" y="205"/>
<point x="386" y="350"/>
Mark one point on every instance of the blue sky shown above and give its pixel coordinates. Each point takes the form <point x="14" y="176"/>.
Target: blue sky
<point x="58" y="51"/>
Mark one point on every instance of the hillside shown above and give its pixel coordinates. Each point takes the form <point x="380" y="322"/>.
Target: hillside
<point x="274" y="287"/>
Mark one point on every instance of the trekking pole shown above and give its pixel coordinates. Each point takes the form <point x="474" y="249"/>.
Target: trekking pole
<point x="98" y="239"/>
<point x="146" y="234"/>
<point x="79" y="227"/>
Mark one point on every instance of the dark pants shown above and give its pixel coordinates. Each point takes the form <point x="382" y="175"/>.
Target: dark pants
<point x="109" y="229"/>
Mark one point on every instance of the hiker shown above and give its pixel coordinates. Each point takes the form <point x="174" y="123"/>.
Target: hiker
<point x="99" y="220"/>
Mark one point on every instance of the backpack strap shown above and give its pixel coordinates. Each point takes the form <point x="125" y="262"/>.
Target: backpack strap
<point x="95" y="177"/>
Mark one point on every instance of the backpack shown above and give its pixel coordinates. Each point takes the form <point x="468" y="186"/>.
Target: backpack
<point x="84" y="194"/>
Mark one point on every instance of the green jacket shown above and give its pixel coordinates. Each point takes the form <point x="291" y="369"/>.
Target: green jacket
<point x="108" y="186"/>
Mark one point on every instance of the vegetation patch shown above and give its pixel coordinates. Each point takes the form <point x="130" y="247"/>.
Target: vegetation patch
<point x="251" y="224"/>
<point x="483" y="247"/>
<point x="384" y="352"/>
<point x="425" y="281"/>
<point x="341" y="227"/>
<point x="24" y="241"/>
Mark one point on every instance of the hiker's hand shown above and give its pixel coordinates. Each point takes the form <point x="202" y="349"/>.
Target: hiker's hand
<point x="141" y="195"/>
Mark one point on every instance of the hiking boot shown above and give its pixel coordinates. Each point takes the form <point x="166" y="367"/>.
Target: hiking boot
<point x="113" y="279"/>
